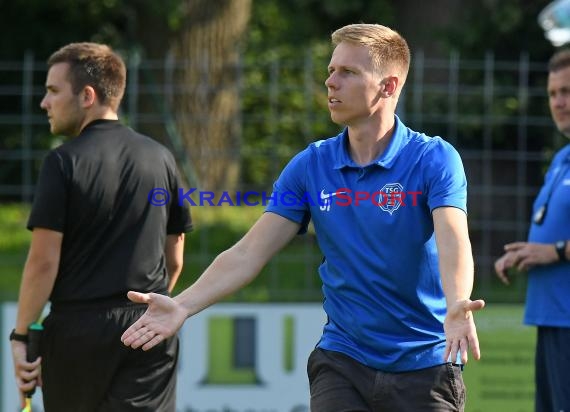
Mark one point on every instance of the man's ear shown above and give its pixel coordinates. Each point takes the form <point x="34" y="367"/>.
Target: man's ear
<point x="88" y="96"/>
<point x="388" y="86"/>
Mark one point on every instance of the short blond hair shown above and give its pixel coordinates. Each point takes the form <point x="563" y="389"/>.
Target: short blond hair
<point x="387" y="48"/>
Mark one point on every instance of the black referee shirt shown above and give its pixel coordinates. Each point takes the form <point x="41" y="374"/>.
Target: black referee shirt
<point x="94" y="189"/>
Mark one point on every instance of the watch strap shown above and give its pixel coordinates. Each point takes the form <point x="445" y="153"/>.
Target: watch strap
<point x="561" y="250"/>
<point x="18" y="337"/>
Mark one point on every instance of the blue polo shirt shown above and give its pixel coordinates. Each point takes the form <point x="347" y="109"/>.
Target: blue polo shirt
<point x="381" y="283"/>
<point x="548" y="289"/>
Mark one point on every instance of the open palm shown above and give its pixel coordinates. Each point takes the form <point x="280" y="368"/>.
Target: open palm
<point x="161" y="320"/>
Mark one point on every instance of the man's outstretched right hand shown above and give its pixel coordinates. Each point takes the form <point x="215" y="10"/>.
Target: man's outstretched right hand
<point x="162" y="319"/>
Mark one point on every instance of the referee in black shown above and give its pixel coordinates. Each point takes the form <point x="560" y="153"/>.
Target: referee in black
<point x="95" y="235"/>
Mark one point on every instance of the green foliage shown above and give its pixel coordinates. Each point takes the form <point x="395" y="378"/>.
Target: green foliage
<point x="44" y="26"/>
<point x="296" y="24"/>
<point x="284" y="108"/>
<point x="492" y="42"/>
<point x="285" y="100"/>
<point x="14" y="241"/>
<point x="505" y="26"/>
<point x="283" y="62"/>
<point x="13" y="234"/>
<point x="285" y="55"/>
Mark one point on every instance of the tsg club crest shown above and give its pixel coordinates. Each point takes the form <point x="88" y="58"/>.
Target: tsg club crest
<point x="390" y="197"/>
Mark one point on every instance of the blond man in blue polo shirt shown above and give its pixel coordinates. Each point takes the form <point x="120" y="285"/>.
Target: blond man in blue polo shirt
<point x="391" y="222"/>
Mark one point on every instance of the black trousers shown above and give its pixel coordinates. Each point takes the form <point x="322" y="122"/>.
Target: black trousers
<point x="552" y="366"/>
<point x="341" y="384"/>
<point x="86" y="368"/>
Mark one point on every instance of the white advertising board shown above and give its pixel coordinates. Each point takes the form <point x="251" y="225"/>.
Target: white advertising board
<point x="277" y="387"/>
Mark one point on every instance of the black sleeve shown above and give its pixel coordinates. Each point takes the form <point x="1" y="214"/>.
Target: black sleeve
<point x="179" y="218"/>
<point x="50" y="198"/>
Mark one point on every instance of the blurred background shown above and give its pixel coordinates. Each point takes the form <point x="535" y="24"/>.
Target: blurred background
<point x="235" y="88"/>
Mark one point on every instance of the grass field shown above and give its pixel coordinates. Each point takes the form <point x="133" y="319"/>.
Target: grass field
<point x="503" y="380"/>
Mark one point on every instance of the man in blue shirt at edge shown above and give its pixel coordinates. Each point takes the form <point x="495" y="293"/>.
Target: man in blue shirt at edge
<point x="389" y="308"/>
<point x="545" y="256"/>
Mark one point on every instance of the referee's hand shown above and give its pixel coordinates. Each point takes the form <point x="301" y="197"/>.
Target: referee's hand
<point x="28" y="374"/>
<point x="161" y="320"/>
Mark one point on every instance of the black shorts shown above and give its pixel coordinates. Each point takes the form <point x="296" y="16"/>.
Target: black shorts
<point x="86" y="368"/>
<point x="341" y="384"/>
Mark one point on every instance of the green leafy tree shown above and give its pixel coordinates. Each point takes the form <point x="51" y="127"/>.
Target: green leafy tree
<point x="285" y="65"/>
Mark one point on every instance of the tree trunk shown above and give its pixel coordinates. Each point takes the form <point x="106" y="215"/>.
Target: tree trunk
<point x="208" y="105"/>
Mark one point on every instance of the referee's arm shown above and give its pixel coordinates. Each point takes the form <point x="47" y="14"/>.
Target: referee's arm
<point x="38" y="277"/>
<point x="174" y="256"/>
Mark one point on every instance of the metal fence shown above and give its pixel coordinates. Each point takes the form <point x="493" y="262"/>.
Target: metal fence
<point x="494" y="112"/>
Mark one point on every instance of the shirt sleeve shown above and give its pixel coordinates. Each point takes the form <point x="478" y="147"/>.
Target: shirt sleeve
<point x="179" y="217"/>
<point x="445" y="177"/>
<point x="50" y="199"/>
<point x="289" y="192"/>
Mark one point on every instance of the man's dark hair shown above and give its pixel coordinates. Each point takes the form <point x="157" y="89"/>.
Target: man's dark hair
<point x="95" y="65"/>
<point x="560" y="60"/>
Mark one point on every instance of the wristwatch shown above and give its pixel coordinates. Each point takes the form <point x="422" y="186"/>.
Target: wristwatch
<point x="18" y="337"/>
<point x="561" y="250"/>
